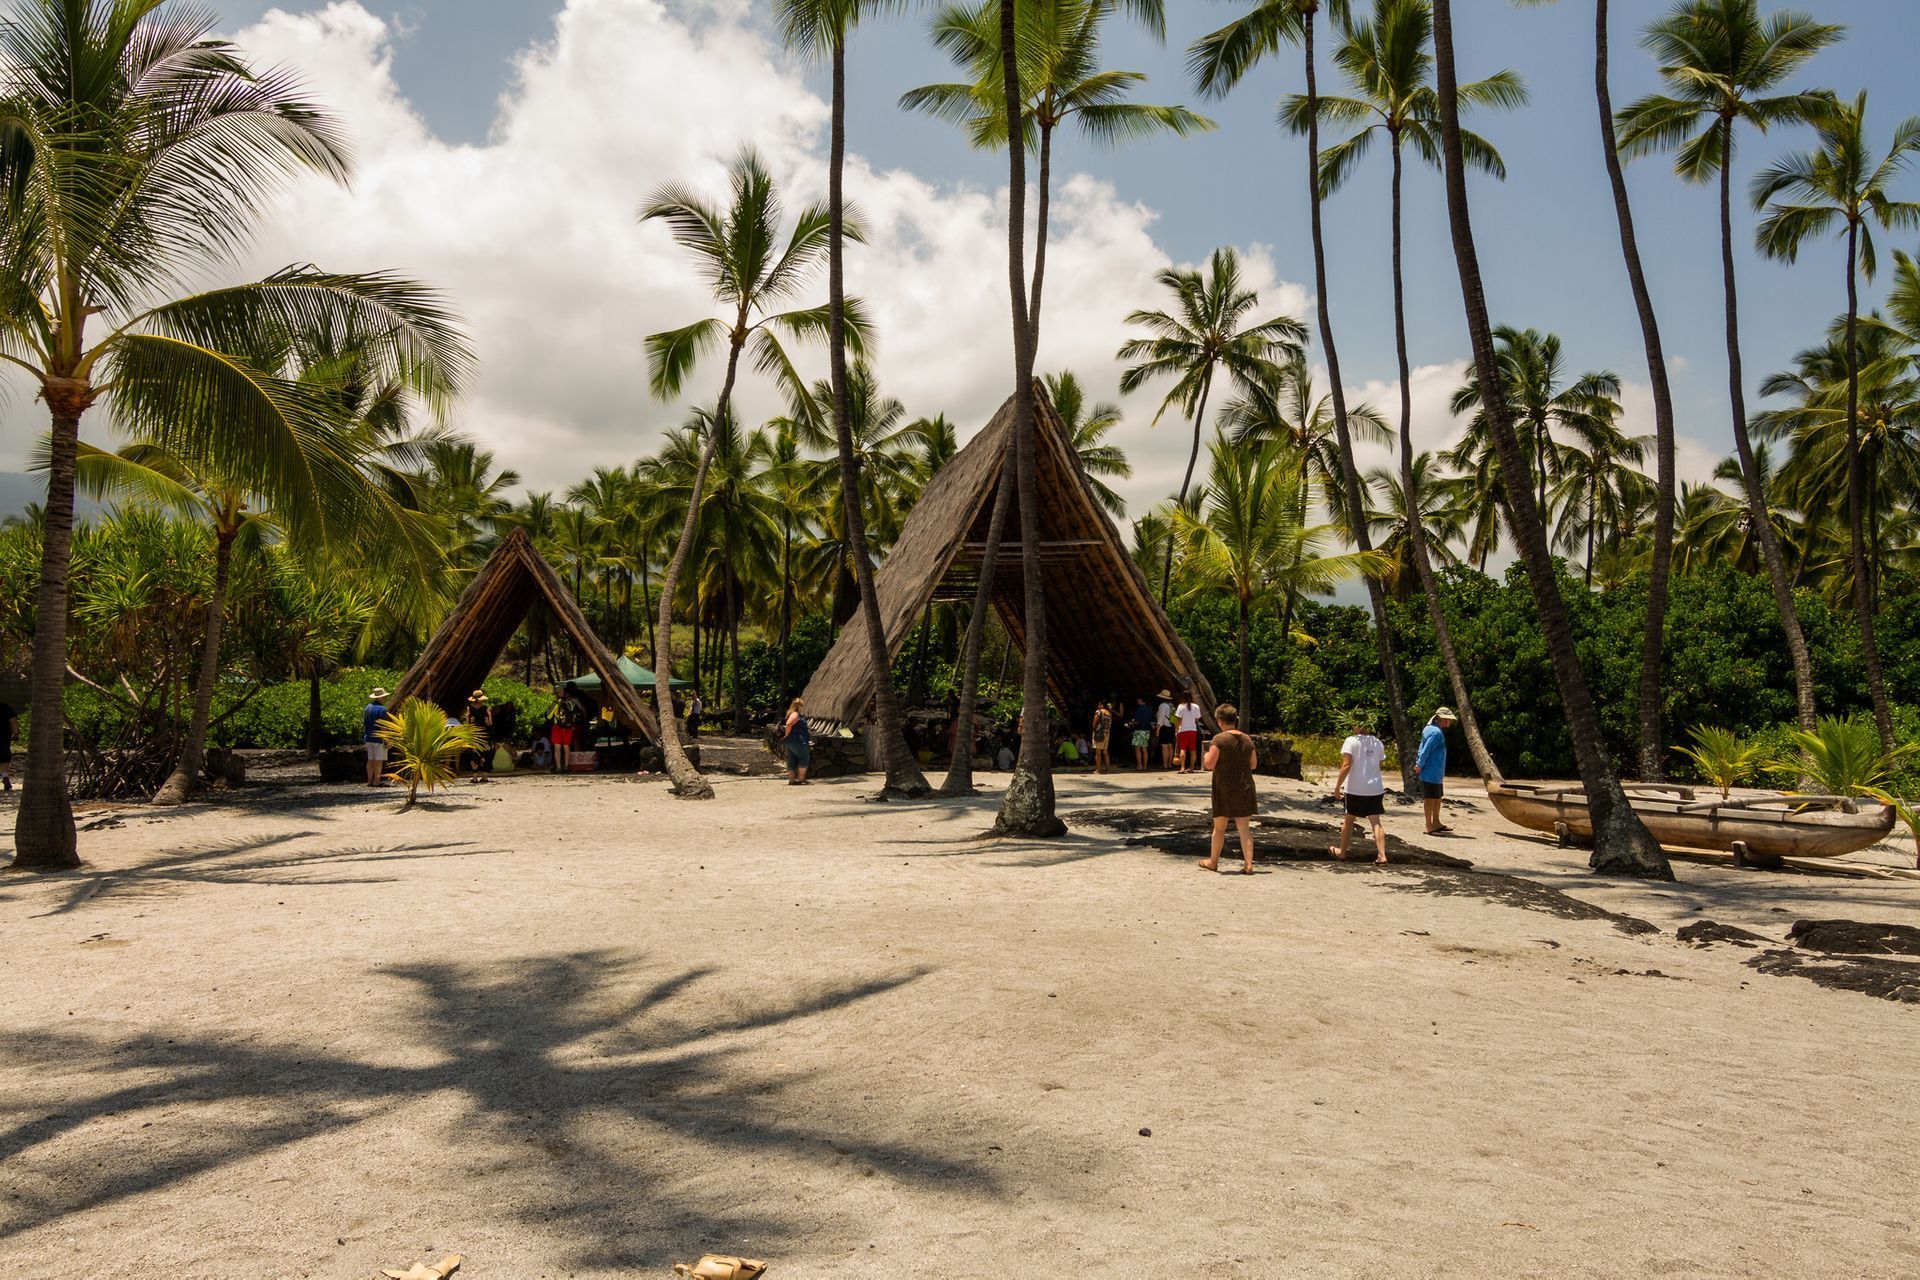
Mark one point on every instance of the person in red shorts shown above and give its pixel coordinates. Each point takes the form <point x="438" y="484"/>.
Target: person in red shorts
<point x="561" y="714"/>
<point x="1186" y="738"/>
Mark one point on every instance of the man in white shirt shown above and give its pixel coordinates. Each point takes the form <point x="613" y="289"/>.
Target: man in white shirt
<point x="1163" y="729"/>
<point x="1361" y="785"/>
<point x="1186" y="718"/>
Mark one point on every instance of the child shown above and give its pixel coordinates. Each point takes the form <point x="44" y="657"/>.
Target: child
<point x="1231" y="758"/>
<point x="1360" y="759"/>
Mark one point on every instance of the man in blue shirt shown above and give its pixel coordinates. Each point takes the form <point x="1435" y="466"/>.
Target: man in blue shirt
<point x="1432" y="761"/>
<point x="376" y="750"/>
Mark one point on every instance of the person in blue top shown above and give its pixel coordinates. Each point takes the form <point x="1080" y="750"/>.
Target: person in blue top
<point x="376" y="750"/>
<point x="1432" y="762"/>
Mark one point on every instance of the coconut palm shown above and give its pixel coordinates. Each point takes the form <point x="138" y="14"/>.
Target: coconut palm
<point x="1087" y="429"/>
<point x="1284" y="405"/>
<point x="1602" y="483"/>
<point x="139" y="151"/>
<point x="1249" y="531"/>
<point x="1434" y="509"/>
<point x="1388" y="62"/>
<point x="426" y="746"/>
<point x="1839" y="185"/>
<point x="1622" y="844"/>
<point x="1061" y="84"/>
<point x="1218" y="62"/>
<point x="1722" y="63"/>
<point x="750" y="270"/>
<point x="1206" y="330"/>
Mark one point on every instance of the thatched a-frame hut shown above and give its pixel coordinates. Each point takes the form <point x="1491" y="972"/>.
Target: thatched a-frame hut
<point x="490" y="610"/>
<point x="1106" y="632"/>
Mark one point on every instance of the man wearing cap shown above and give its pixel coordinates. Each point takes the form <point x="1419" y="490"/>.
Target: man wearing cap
<point x="376" y="750"/>
<point x="1432" y="761"/>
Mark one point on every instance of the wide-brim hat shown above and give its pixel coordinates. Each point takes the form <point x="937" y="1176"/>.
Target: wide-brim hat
<point x="378" y="693"/>
<point x="1165" y="694"/>
<point x="1445" y="713"/>
<point x="479" y="695"/>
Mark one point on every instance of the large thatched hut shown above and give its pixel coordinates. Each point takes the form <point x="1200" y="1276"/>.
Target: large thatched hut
<point x="1106" y="633"/>
<point x="490" y="610"/>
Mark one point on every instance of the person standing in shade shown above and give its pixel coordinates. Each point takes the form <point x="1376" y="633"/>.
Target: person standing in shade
<point x="560" y="716"/>
<point x="1186" y="722"/>
<point x="1231" y="758"/>
<point x="1102" y="735"/>
<point x="479" y="715"/>
<point x="797" y="739"/>
<point x="7" y="718"/>
<point x="370" y="718"/>
<point x="1142" y="732"/>
<point x="1362" y="786"/>
<point x="694" y="709"/>
<point x="1163" y="728"/>
<point x="1432" y="761"/>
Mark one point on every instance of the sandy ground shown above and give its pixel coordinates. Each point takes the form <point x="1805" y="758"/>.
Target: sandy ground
<point x="574" y="1027"/>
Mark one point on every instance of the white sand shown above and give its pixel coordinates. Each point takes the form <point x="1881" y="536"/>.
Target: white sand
<point x="573" y="1027"/>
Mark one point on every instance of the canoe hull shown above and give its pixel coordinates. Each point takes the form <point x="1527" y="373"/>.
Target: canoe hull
<point x="1676" y="820"/>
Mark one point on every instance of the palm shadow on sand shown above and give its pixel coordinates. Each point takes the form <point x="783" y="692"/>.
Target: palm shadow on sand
<point x="577" y="1105"/>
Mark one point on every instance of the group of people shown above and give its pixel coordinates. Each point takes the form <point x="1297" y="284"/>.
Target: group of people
<point x="1167" y="730"/>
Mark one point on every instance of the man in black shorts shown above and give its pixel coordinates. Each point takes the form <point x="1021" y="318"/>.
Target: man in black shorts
<point x="1362" y="786"/>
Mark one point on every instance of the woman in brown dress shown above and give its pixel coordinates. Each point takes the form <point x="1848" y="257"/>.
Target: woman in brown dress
<point x="1231" y="759"/>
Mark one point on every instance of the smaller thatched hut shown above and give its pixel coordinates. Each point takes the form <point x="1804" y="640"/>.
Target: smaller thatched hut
<point x="490" y="610"/>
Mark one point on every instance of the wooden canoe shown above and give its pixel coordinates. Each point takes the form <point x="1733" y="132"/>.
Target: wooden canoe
<point x="1767" y="827"/>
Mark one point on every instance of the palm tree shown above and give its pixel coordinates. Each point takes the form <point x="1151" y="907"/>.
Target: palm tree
<point x="1839" y="183"/>
<point x="1087" y="429"/>
<point x="822" y="27"/>
<point x="799" y="490"/>
<point x="1388" y="62"/>
<point x="1622" y="844"/>
<point x="1205" y="331"/>
<point x="1283" y="406"/>
<point x="1251" y="530"/>
<point x="1060" y="82"/>
<point x="1218" y="62"/>
<point x="1431" y="504"/>
<point x="741" y="255"/>
<point x="1600" y="484"/>
<point x="1721" y="62"/>
<point x="138" y="152"/>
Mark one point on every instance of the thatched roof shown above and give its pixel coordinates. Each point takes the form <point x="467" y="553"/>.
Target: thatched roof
<point x="1106" y="632"/>
<point x="464" y="649"/>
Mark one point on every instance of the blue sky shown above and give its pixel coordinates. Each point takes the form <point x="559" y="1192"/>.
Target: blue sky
<point x="1547" y="234"/>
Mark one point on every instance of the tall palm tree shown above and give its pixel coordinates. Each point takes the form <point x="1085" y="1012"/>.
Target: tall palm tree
<point x="1534" y="379"/>
<point x="1839" y="184"/>
<point x="1206" y="330"/>
<point x="1622" y="844"/>
<point x="1218" y="62"/>
<point x="1430" y="504"/>
<point x="1601" y="481"/>
<point x="138" y="152"/>
<point x="1087" y="429"/>
<point x="1061" y="84"/>
<point x="1722" y="63"/>
<point x="799" y="491"/>
<point x="1285" y="407"/>
<point x="818" y="27"/>
<point x="750" y="270"/>
<point x="1388" y="62"/>
<point x="1250" y="529"/>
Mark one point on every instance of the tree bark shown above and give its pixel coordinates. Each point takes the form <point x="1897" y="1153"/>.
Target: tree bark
<point x="1856" y="507"/>
<point x="1028" y="807"/>
<point x="1343" y="435"/>
<point x="959" y="779"/>
<point x="902" y="770"/>
<point x="1186" y="481"/>
<point x="43" y="832"/>
<point x="1246" y="670"/>
<point x="1416" y="530"/>
<point x="1040" y="233"/>
<point x="1622" y="844"/>
<point x="1743" y="445"/>
<point x="786" y="603"/>
<point x="185" y="778"/>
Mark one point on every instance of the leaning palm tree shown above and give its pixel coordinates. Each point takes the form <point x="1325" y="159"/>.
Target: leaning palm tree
<point x="1840" y="184"/>
<point x="818" y="27"/>
<point x="1087" y="429"/>
<point x="1389" y="63"/>
<point x="1218" y="62"/>
<point x="138" y="152"/>
<point x="1722" y="63"/>
<point x="1206" y="330"/>
<point x="750" y="270"/>
<point x="1622" y="844"/>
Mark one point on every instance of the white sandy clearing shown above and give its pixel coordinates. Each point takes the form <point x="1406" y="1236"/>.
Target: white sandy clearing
<point x="574" y="1027"/>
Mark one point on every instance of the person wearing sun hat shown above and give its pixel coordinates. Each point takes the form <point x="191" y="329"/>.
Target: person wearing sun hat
<point x="375" y="712"/>
<point x="1432" y="762"/>
<point x="479" y="714"/>
<point x="1163" y="728"/>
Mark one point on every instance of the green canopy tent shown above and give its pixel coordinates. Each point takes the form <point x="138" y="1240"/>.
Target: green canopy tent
<point x="636" y="675"/>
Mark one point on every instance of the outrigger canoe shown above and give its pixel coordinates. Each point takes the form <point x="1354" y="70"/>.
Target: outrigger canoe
<point x="1761" y="828"/>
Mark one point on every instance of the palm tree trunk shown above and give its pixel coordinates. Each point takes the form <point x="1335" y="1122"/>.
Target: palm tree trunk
<point x="1045" y="197"/>
<point x="1856" y="506"/>
<point x="1343" y="435"/>
<point x="185" y="778"/>
<point x="43" y="833"/>
<point x="786" y="601"/>
<point x="1246" y="668"/>
<point x="888" y="730"/>
<point x="959" y="779"/>
<point x="1743" y="445"/>
<point x="1028" y="807"/>
<point x="1416" y="530"/>
<point x="1593" y="508"/>
<point x="917" y="679"/>
<point x="687" y="782"/>
<point x="1622" y="844"/>
<point x="646" y="594"/>
<point x="733" y="653"/>
<point x="1186" y="481"/>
